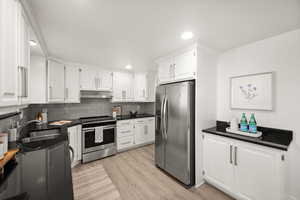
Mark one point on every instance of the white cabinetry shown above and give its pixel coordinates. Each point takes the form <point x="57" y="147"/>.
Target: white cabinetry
<point x="123" y="86"/>
<point x="151" y="85"/>
<point x="244" y="170"/>
<point x="38" y="80"/>
<point x="23" y="57"/>
<point x="135" y="132"/>
<point x="144" y="130"/>
<point x="125" y="134"/>
<point x="180" y="66"/>
<point x="56" y="82"/>
<point x="63" y="83"/>
<point x="8" y="51"/>
<point x="75" y="140"/>
<point x="94" y="79"/>
<point x="140" y="87"/>
<point x="72" y="82"/>
<point x="88" y="78"/>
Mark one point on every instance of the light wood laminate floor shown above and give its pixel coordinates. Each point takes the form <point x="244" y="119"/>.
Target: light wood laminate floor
<point x="136" y="177"/>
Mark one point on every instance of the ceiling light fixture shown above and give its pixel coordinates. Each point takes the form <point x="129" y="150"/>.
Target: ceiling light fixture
<point x="129" y="67"/>
<point x="32" y="43"/>
<point x="187" y="35"/>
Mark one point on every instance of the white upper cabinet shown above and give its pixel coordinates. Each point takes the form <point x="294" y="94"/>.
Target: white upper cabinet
<point x="105" y="80"/>
<point x="123" y="86"/>
<point x="88" y="78"/>
<point x="180" y="66"/>
<point x="151" y="86"/>
<point x="94" y="79"/>
<point x="38" y="79"/>
<point x="8" y="51"/>
<point x="23" y="57"/>
<point x="140" y="87"/>
<point x="185" y="65"/>
<point x="166" y="69"/>
<point x="72" y="84"/>
<point x="56" y="82"/>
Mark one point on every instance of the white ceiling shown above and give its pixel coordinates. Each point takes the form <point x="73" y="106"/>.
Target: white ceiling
<point x="114" y="33"/>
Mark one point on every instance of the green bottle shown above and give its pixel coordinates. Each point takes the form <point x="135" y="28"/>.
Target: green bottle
<point x="252" y="124"/>
<point x="244" y="123"/>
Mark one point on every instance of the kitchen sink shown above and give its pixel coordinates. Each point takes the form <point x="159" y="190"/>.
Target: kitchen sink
<point x="38" y="138"/>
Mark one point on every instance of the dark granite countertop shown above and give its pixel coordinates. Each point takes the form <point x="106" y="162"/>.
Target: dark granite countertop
<point x="126" y="117"/>
<point x="275" y="138"/>
<point x="75" y="122"/>
<point x="38" y="171"/>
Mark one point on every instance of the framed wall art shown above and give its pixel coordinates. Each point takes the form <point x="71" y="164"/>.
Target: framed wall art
<point x="253" y="91"/>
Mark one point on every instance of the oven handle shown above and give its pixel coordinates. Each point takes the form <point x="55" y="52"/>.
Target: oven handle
<point x="92" y="129"/>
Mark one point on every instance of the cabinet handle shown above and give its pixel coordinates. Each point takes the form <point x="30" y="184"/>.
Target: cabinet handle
<point x="230" y="160"/>
<point x="126" y="143"/>
<point x="235" y="156"/>
<point x="126" y="131"/>
<point x="67" y="93"/>
<point x="50" y="92"/>
<point x="96" y="83"/>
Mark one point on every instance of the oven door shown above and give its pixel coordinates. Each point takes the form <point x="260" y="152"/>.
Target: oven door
<point x="109" y="139"/>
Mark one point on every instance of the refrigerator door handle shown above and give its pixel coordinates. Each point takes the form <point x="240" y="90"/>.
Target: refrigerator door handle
<point x="162" y="118"/>
<point x="166" y="118"/>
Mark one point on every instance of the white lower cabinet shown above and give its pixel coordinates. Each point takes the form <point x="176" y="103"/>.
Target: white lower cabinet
<point x="244" y="170"/>
<point x="135" y="132"/>
<point x="75" y="140"/>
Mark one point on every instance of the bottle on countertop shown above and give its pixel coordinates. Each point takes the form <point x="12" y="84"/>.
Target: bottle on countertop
<point x="244" y="123"/>
<point x="252" y="124"/>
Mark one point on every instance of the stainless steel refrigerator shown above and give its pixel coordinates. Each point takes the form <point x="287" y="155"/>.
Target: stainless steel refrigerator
<point x="175" y="130"/>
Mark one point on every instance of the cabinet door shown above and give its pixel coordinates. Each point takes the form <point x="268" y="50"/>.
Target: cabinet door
<point x="56" y="79"/>
<point x="140" y="87"/>
<point x="38" y="80"/>
<point x="122" y="86"/>
<point x="23" y="57"/>
<point x="165" y="70"/>
<point x="8" y="50"/>
<point x="89" y="78"/>
<point x="73" y="142"/>
<point x="185" y="65"/>
<point x="140" y="133"/>
<point x="150" y="129"/>
<point x="257" y="172"/>
<point x="105" y="79"/>
<point x="151" y="85"/>
<point x="72" y="85"/>
<point x="218" y="161"/>
<point x="79" y="143"/>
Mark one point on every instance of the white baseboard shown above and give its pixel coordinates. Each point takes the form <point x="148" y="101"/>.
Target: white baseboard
<point x="198" y="185"/>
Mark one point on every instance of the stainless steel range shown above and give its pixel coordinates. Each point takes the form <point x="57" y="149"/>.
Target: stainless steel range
<point x="98" y="137"/>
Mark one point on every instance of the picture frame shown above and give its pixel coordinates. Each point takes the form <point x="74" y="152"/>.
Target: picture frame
<point x="252" y="91"/>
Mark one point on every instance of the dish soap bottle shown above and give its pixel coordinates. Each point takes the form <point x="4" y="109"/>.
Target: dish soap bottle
<point x="252" y="124"/>
<point x="244" y="123"/>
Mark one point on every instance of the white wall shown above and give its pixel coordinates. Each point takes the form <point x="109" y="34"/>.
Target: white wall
<point x="280" y="54"/>
<point x="205" y="101"/>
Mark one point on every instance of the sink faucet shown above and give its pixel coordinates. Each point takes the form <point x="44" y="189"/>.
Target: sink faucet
<point x="25" y="124"/>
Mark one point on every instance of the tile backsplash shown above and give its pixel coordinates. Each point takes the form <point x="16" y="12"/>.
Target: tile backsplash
<point x="87" y="108"/>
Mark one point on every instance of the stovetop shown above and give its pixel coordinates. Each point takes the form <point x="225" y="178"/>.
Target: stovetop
<point x="97" y="119"/>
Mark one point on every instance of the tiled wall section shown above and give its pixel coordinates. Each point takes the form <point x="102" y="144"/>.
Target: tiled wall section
<point x="87" y="108"/>
<point x="5" y="124"/>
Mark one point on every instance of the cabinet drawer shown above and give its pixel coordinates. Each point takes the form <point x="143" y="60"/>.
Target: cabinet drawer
<point x="124" y="132"/>
<point x="125" y="142"/>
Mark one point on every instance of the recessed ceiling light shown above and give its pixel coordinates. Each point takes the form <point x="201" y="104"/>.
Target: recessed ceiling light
<point x="32" y="43"/>
<point x="187" y="35"/>
<point x="129" y="67"/>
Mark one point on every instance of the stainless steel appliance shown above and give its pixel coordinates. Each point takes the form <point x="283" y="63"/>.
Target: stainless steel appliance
<point x="92" y="149"/>
<point x="175" y="130"/>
